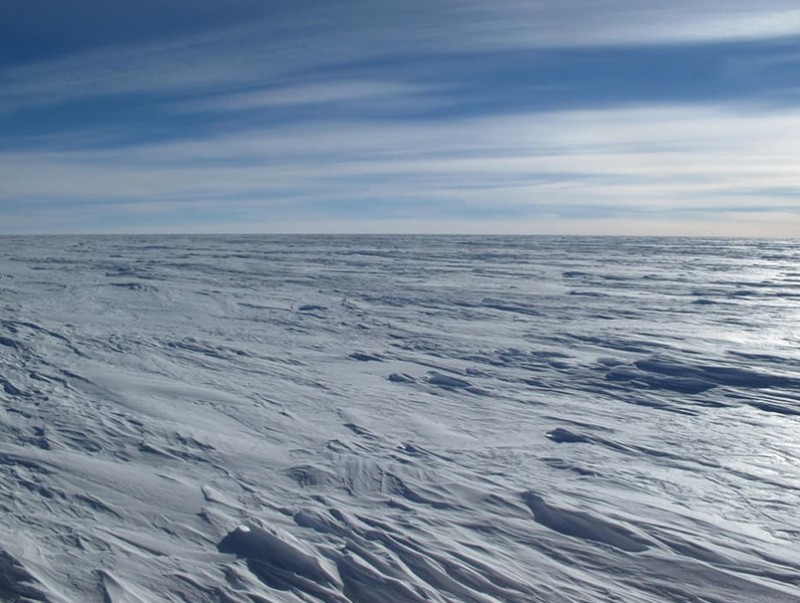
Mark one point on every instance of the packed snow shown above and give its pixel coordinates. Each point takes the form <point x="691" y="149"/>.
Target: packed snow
<point x="399" y="419"/>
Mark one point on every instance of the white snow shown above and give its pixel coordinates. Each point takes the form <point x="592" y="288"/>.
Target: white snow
<point x="399" y="419"/>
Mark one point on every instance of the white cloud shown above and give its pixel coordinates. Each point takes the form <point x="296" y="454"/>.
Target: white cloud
<point x="345" y="33"/>
<point x="664" y="164"/>
<point x="575" y="23"/>
<point x="352" y="92"/>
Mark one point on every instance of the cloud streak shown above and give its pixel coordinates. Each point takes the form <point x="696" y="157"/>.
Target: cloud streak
<point x="653" y="163"/>
<point x="323" y="37"/>
<point x="495" y="116"/>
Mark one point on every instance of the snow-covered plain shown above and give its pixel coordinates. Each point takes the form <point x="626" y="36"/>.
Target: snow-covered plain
<point x="399" y="419"/>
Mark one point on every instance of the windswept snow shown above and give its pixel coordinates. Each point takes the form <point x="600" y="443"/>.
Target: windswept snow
<point x="399" y="420"/>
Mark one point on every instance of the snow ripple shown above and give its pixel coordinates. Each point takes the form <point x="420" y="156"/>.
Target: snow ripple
<point x="399" y="419"/>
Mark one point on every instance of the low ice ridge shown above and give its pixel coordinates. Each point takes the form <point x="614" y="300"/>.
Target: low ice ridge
<point x="583" y="525"/>
<point x="277" y="562"/>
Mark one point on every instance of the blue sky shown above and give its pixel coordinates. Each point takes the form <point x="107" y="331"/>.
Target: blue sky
<point x="511" y="116"/>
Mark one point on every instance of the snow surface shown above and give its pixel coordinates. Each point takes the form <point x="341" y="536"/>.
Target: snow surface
<point x="399" y="419"/>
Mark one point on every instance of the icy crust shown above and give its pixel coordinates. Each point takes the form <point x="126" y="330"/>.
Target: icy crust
<point x="393" y="420"/>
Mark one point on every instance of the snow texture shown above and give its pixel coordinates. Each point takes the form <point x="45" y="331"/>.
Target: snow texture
<point x="399" y="420"/>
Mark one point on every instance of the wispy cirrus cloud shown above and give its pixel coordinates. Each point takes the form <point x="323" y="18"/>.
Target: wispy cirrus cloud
<point x="649" y="163"/>
<point x="628" y="22"/>
<point x="351" y="32"/>
<point x="355" y="95"/>
<point x="496" y="115"/>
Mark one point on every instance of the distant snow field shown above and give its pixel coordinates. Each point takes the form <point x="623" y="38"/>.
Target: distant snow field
<point x="399" y="420"/>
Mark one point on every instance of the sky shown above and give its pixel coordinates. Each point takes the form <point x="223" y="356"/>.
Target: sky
<point x="633" y="117"/>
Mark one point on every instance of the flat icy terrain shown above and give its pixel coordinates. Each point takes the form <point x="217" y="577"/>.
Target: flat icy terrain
<point x="399" y="419"/>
